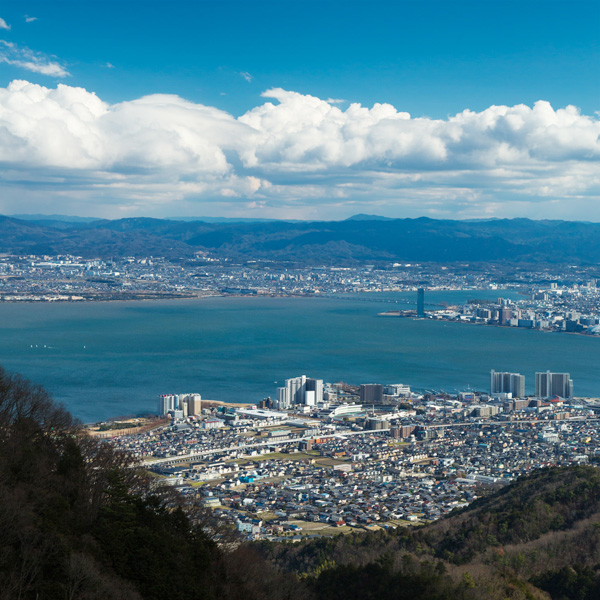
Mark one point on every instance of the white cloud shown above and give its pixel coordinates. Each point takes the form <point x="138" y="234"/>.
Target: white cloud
<point x="297" y="154"/>
<point x="51" y="69"/>
<point x="26" y="58"/>
<point x="4" y="24"/>
<point x="304" y="132"/>
<point x="247" y="76"/>
<point x="109" y="65"/>
<point x="29" y="19"/>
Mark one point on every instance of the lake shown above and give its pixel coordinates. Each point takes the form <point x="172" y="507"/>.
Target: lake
<point x="108" y="359"/>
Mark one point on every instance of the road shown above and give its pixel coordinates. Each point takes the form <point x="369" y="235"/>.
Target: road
<point x="186" y="458"/>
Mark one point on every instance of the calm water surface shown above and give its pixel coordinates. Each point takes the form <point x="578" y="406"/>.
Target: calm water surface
<point x="109" y="359"/>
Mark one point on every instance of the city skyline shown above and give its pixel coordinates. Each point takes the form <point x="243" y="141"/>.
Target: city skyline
<point x="310" y="111"/>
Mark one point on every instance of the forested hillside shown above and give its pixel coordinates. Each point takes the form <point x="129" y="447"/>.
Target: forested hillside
<point x="77" y="523"/>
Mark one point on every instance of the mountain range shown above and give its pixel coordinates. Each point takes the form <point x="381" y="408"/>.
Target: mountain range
<point x="357" y="240"/>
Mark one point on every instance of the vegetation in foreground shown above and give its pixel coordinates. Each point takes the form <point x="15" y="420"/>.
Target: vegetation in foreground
<point x="78" y="522"/>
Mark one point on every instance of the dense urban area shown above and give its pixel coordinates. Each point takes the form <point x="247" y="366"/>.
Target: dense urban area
<point x="554" y="298"/>
<point x="321" y="459"/>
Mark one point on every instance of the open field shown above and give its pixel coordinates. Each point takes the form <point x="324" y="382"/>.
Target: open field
<point x="310" y="528"/>
<point x="296" y="456"/>
<point x="330" y="462"/>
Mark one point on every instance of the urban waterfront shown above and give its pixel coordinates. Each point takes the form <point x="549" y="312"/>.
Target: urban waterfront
<point x="105" y="360"/>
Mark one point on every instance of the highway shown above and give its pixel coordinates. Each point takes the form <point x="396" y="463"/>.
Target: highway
<point x="186" y="458"/>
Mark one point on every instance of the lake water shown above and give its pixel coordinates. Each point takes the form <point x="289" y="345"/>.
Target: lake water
<point x="108" y="359"/>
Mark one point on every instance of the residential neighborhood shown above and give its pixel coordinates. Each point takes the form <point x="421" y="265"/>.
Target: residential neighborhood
<point x="321" y="471"/>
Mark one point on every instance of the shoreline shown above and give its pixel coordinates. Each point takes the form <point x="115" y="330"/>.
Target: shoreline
<point x="199" y="361"/>
<point x="208" y="403"/>
<point x="415" y="318"/>
<point x="201" y="296"/>
<point x="158" y="298"/>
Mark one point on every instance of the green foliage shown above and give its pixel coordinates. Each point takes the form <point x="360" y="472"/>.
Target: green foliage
<point x="467" y="581"/>
<point x="386" y="580"/>
<point x="545" y="501"/>
<point x="143" y="541"/>
<point x="77" y="522"/>
<point x="571" y="583"/>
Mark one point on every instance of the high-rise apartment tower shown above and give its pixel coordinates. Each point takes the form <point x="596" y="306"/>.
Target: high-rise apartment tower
<point x="507" y="383"/>
<point x="371" y="393"/>
<point x="300" y="390"/>
<point x="548" y="385"/>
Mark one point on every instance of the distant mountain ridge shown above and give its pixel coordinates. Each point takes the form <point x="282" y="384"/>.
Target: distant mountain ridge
<point x="354" y="241"/>
<point x="364" y="217"/>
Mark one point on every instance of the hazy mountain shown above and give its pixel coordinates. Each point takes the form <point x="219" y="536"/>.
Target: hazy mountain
<point x="57" y="221"/>
<point x="364" y="217"/>
<point x="223" y="219"/>
<point x="62" y="218"/>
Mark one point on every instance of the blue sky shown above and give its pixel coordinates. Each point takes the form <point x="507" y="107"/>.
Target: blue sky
<point x="272" y="92"/>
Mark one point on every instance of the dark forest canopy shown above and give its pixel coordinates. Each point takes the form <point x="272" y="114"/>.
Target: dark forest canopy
<point x="78" y="520"/>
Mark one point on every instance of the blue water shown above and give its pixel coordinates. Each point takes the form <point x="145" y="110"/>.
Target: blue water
<point x="110" y="359"/>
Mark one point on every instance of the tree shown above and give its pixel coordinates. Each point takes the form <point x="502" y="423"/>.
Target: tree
<point x="79" y="520"/>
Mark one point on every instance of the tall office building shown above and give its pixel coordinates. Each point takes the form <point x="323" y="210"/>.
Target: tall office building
<point x="296" y="387"/>
<point x="506" y="314"/>
<point x="548" y="385"/>
<point x="300" y="390"/>
<point x="313" y="391"/>
<point x="507" y="383"/>
<point x="371" y="393"/>
<point x="420" y="302"/>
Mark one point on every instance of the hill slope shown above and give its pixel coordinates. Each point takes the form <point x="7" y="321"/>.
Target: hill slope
<point x="540" y="534"/>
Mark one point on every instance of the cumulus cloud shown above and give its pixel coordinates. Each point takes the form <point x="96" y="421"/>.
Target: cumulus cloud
<point x="29" y="19"/>
<point x="25" y="58"/>
<point x="297" y="154"/>
<point x="4" y="24"/>
<point x="306" y="132"/>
